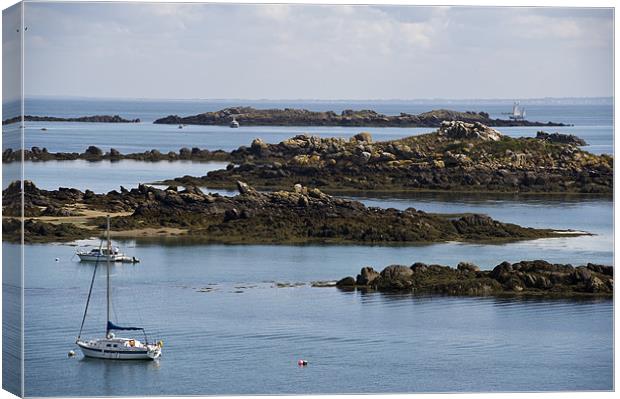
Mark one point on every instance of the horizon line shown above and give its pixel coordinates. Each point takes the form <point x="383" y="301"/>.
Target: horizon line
<point x="49" y="96"/>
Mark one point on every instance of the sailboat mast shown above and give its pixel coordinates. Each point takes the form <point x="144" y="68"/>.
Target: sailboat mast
<point x="108" y="274"/>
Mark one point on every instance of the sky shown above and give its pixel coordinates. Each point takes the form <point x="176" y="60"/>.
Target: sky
<point x="315" y="52"/>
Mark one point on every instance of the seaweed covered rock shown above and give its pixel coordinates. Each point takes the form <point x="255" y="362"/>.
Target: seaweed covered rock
<point x="348" y="117"/>
<point x="38" y="231"/>
<point x="94" y="154"/>
<point x="536" y="277"/>
<point x="300" y="215"/>
<point x="560" y="138"/>
<point x="93" y="118"/>
<point x="367" y="276"/>
<point x="459" y="156"/>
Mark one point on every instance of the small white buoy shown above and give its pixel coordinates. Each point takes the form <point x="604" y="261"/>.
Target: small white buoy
<point x="57" y="259"/>
<point x="71" y="353"/>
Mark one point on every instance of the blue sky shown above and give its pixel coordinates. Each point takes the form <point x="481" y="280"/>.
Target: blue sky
<point x="316" y="52"/>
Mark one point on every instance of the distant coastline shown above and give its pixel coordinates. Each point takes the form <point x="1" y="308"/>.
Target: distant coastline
<point x="93" y="118"/>
<point x="302" y="117"/>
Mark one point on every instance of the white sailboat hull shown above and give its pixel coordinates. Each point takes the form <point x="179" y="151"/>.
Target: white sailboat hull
<point x="119" y="353"/>
<point x="85" y="257"/>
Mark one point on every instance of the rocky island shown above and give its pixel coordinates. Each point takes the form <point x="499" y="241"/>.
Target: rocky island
<point x="525" y="278"/>
<point x="303" y="215"/>
<point x="301" y="117"/>
<point x="94" y="119"/>
<point x="95" y="154"/>
<point x="459" y="156"/>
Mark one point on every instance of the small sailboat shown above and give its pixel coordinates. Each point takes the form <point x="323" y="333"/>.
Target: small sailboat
<point x="103" y="254"/>
<point x="234" y="123"/>
<point x="111" y="346"/>
<point x="518" y="112"/>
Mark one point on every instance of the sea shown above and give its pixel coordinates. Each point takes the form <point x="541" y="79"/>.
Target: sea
<point x="235" y="319"/>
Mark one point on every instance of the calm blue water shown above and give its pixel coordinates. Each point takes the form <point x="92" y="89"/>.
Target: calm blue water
<point x="11" y="288"/>
<point x="245" y="336"/>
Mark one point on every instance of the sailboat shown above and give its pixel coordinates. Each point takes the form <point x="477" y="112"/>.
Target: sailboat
<point x="111" y="346"/>
<point x="97" y="254"/>
<point x="518" y="112"/>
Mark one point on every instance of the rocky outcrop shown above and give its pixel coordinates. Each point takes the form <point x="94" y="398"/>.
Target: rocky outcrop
<point x="537" y="277"/>
<point x="94" y="153"/>
<point x="38" y="231"/>
<point x="301" y="215"/>
<point x="303" y="117"/>
<point x="94" y="118"/>
<point x="459" y="156"/>
<point x="458" y="130"/>
<point x="561" y="138"/>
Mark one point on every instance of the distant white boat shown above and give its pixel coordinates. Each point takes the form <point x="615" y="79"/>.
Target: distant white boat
<point x="518" y="112"/>
<point x="234" y="123"/>
<point x="112" y="347"/>
<point x="104" y="254"/>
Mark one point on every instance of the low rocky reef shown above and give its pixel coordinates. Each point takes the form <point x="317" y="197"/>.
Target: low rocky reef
<point x="302" y="117"/>
<point x="459" y="156"/>
<point x="530" y="278"/>
<point x="93" y="118"/>
<point x="94" y="154"/>
<point x="561" y="138"/>
<point x="36" y="231"/>
<point x="302" y="215"/>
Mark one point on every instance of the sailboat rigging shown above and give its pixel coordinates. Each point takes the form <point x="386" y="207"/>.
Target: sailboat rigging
<point x="112" y="347"/>
<point x="518" y="112"/>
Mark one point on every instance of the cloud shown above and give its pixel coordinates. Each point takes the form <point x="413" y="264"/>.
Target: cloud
<point x="294" y="51"/>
